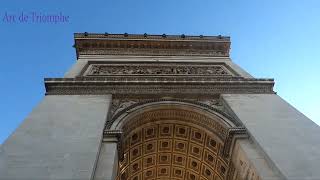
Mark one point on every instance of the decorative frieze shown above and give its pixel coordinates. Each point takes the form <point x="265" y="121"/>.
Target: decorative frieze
<point x="156" y="70"/>
<point x="150" y="52"/>
<point x="168" y="86"/>
<point x="168" y="45"/>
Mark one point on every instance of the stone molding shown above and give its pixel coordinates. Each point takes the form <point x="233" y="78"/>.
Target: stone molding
<point x="163" y="45"/>
<point x="243" y="168"/>
<point x="233" y="134"/>
<point x="120" y="106"/>
<point x="148" y="52"/>
<point x="156" y="85"/>
<point x="156" y="70"/>
<point x="112" y="133"/>
<point x="149" y="37"/>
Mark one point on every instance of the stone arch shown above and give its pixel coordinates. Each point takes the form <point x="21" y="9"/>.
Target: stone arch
<point x="131" y="106"/>
<point x="174" y="139"/>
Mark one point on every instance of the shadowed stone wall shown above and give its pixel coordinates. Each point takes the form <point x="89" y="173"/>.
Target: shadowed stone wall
<point x="60" y="139"/>
<point x="289" y="139"/>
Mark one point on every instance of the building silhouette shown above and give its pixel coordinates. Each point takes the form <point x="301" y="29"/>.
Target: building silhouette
<point x="140" y="106"/>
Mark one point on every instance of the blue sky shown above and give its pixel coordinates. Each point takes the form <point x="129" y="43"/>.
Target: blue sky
<point x="270" y="39"/>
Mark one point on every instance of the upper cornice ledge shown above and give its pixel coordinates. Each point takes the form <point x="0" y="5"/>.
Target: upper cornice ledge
<point x="157" y="45"/>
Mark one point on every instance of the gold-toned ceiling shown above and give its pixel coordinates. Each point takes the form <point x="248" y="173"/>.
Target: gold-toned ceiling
<point x="172" y="149"/>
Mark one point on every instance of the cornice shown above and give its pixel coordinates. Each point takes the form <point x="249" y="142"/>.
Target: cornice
<point x="157" y="45"/>
<point x="156" y="85"/>
<point x="150" y="37"/>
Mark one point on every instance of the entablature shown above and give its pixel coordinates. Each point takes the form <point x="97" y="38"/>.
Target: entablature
<point x="144" y="44"/>
<point x="157" y="85"/>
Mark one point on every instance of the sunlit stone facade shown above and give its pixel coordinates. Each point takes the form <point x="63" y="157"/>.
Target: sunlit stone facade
<point x="139" y="106"/>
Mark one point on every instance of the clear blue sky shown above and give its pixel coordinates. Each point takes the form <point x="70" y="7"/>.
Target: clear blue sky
<point x="270" y="39"/>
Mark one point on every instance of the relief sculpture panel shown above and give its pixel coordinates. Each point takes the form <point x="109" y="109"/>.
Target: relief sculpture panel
<point x="120" y="69"/>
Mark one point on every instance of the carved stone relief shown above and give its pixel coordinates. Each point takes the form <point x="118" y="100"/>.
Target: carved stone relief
<point x="119" y="105"/>
<point x="156" y="52"/>
<point x="152" y="45"/>
<point x="130" y="69"/>
<point x="243" y="168"/>
<point x="99" y="88"/>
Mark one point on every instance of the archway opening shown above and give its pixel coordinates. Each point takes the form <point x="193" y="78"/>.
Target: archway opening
<point x="173" y="142"/>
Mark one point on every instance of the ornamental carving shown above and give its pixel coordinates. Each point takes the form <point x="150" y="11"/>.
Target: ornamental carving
<point x="154" y="142"/>
<point x="103" y="70"/>
<point x="122" y="105"/>
<point x="167" y="45"/>
<point x="119" y="105"/>
<point x="172" y="150"/>
<point x="242" y="168"/>
<point x="152" y="52"/>
<point x="81" y="86"/>
<point x="185" y="116"/>
<point x="211" y="102"/>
